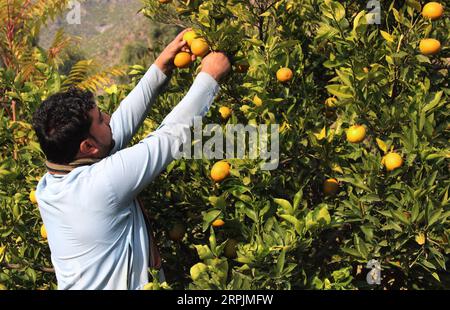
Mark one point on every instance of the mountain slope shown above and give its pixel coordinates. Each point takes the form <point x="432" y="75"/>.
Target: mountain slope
<point x="107" y="26"/>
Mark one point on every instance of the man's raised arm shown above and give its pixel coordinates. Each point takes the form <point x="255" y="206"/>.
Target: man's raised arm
<point x="127" y="119"/>
<point x="130" y="170"/>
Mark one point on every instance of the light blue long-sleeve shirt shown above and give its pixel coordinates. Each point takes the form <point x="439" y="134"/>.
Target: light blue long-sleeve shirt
<point x="96" y="231"/>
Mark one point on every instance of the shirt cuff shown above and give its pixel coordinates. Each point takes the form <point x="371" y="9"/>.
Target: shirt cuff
<point x="207" y="81"/>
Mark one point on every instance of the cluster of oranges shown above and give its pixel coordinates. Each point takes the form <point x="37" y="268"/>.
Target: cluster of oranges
<point x="432" y="11"/>
<point x="198" y="47"/>
<point x="357" y="133"/>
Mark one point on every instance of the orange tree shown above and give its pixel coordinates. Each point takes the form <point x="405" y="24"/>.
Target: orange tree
<point x="29" y="74"/>
<point x="363" y="171"/>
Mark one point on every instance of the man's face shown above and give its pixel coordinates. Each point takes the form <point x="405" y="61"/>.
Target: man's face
<point x="100" y="132"/>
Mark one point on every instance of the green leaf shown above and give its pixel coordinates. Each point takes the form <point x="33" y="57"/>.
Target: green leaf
<point x="338" y="10"/>
<point x="345" y="78"/>
<point x="286" y="205"/>
<point x="368" y="232"/>
<point x="423" y="59"/>
<point x="382" y="145"/>
<point x="434" y="217"/>
<point x="251" y="214"/>
<point x="209" y="217"/>
<point x="433" y="103"/>
<point x="298" y="198"/>
<point x="324" y="215"/>
<point x="203" y="252"/>
<point x="352" y="252"/>
<point x="414" y="4"/>
<point x="387" y="36"/>
<point x="291" y="219"/>
<point x="217" y="202"/>
<point x="340" y="91"/>
<point x="280" y="262"/>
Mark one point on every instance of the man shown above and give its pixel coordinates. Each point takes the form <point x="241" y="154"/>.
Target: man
<point x="97" y="232"/>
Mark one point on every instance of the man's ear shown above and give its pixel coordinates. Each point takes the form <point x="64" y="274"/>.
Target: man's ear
<point x="88" y="148"/>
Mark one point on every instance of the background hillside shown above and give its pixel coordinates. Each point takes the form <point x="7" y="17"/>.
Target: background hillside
<point x="111" y="32"/>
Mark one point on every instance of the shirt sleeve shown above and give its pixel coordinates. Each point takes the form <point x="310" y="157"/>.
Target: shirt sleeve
<point x="132" y="169"/>
<point x="132" y="111"/>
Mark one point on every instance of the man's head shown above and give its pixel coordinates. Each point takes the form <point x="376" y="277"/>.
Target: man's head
<point x="70" y="126"/>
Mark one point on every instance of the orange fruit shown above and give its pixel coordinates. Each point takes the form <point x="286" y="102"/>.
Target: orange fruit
<point x="220" y="171"/>
<point x="429" y="46"/>
<point x="284" y="75"/>
<point x="366" y="70"/>
<point x="33" y="197"/>
<point x="199" y="47"/>
<point x="231" y="248"/>
<point x="218" y="223"/>
<point x="432" y="10"/>
<point x="330" y="187"/>
<point x="189" y="36"/>
<point x="177" y="232"/>
<point x="182" y="60"/>
<point x="225" y="112"/>
<point x="164" y="1"/>
<point x="392" y="161"/>
<point x="43" y="232"/>
<point x="356" y="134"/>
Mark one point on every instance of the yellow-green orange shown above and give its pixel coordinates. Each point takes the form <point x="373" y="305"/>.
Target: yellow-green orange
<point x="33" y="197"/>
<point x="392" y="161"/>
<point x="189" y="36"/>
<point x="225" y="112"/>
<point x="356" y="134"/>
<point x="330" y="187"/>
<point x="177" y="232"/>
<point x="231" y="248"/>
<point x="284" y="75"/>
<point x="433" y="10"/>
<point x="218" y="223"/>
<point x="43" y="232"/>
<point x="199" y="47"/>
<point x="220" y="171"/>
<point x="429" y="46"/>
<point x="182" y="60"/>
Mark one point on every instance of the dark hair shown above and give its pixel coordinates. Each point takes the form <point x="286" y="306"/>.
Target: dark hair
<point x="62" y="122"/>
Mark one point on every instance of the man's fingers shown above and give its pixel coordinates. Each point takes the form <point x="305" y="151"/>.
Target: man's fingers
<point x="180" y="45"/>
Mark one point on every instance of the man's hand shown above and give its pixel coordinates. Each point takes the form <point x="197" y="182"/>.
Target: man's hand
<point x="165" y="60"/>
<point x="217" y="65"/>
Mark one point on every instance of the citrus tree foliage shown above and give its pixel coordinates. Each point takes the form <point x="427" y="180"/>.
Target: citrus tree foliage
<point x="290" y="233"/>
<point x="285" y="228"/>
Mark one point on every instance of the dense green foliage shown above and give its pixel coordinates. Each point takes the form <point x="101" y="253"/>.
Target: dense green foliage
<point x="290" y="234"/>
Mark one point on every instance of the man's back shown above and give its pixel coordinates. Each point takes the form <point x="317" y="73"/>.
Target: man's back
<point x="99" y="245"/>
